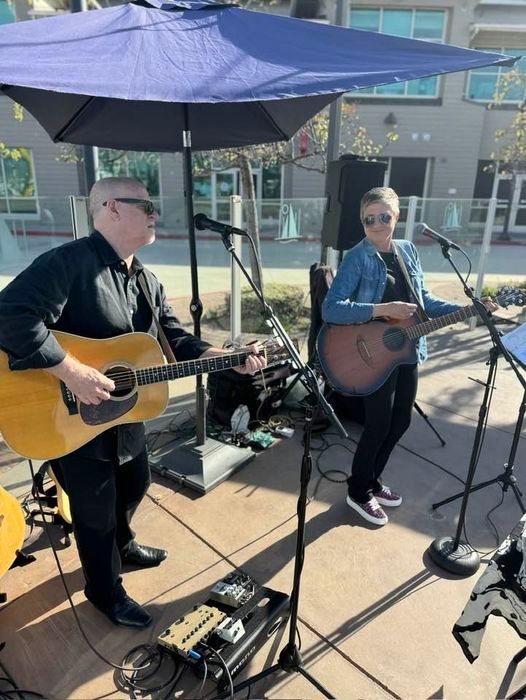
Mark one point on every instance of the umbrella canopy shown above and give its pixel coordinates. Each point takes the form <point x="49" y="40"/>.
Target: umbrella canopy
<point x="123" y="76"/>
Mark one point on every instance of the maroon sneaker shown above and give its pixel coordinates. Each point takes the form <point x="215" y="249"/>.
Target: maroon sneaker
<point x="386" y="497"/>
<point x="371" y="510"/>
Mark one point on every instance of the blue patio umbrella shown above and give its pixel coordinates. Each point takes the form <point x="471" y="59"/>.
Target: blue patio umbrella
<point x="125" y="76"/>
<point x="173" y="75"/>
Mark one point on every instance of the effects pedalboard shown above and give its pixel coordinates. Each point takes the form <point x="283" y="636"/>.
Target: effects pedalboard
<point x="235" y="621"/>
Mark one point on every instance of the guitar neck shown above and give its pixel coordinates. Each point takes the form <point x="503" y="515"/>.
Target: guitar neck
<point x="189" y="368"/>
<point x="434" y="324"/>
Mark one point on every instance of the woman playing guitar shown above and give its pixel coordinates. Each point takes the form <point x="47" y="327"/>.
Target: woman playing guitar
<point x="371" y="283"/>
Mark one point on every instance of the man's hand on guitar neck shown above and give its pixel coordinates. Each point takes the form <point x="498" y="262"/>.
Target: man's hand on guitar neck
<point x="255" y="361"/>
<point x="85" y="382"/>
<point x="398" y="310"/>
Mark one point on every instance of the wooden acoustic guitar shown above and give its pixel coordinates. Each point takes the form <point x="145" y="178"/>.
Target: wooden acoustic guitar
<point x="41" y="419"/>
<point x="12" y="529"/>
<point x="357" y="359"/>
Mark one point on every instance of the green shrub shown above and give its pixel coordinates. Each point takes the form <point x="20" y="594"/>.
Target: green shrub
<point x="286" y="300"/>
<point x="488" y="291"/>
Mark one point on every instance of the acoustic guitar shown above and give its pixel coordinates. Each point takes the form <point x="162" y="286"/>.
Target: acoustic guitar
<point x="12" y="529"/>
<point x="357" y="359"/>
<point x="41" y="419"/>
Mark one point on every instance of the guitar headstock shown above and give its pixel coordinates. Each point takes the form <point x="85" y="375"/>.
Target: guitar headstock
<point x="275" y="350"/>
<point x="508" y="296"/>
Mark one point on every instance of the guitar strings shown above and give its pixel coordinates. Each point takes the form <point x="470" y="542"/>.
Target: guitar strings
<point x="128" y="377"/>
<point x="122" y="378"/>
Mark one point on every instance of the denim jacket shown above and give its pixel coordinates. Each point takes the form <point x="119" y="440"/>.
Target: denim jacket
<point x="360" y="284"/>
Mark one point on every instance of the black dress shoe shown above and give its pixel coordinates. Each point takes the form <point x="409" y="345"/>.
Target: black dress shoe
<point x="126" y="612"/>
<point x="142" y="555"/>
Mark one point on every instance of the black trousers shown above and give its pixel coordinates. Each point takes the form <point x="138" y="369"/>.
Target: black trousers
<point x="103" y="497"/>
<point x="387" y="416"/>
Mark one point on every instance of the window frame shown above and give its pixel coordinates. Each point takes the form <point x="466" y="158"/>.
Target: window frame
<point x="371" y="93"/>
<point x="14" y="215"/>
<point x="498" y="71"/>
<point x="157" y="198"/>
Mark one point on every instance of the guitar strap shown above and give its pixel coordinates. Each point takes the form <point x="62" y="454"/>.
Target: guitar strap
<point x="162" y="337"/>
<point x="401" y="262"/>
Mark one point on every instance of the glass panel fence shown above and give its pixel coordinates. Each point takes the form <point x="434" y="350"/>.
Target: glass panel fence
<point x="290" y="236"/>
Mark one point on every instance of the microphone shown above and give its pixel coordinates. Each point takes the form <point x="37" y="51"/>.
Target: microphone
<point x="424" y="230"/>
<point x="202" y="222"/>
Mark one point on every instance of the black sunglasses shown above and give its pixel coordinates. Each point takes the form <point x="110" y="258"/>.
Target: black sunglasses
<point x="384" y="218"/>
<point x="146" y="205"/>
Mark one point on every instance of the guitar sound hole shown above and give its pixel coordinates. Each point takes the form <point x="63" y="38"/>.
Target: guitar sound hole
<point x="394" y="339"/>
<point x="124" y="380"/>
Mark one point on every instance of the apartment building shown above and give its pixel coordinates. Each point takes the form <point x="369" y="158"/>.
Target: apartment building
<point x="446" y="133"/>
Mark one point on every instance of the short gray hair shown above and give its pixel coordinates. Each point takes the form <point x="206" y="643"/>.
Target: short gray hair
<point x="386" y="195"/>
<point x="110" y="188"/>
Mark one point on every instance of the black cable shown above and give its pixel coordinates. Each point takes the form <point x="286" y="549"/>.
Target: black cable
<point x="490" y="521"/>
<point x="150" y="665"/>
<point x="224" y="665"/>
<point x="205" y="676"/>
<point x="177" y="679"/>
<point x="65" y="585"/>
<point x="298" y="635"/>
<point x="15" y="691"/>
<point x="325" y="473"/>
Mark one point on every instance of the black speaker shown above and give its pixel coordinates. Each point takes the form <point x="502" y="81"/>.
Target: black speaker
<point x="348" y="179"/>
<point x="261" y="393"/>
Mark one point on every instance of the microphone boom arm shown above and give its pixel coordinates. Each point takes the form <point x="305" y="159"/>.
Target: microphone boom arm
<point x="306" y="373"/>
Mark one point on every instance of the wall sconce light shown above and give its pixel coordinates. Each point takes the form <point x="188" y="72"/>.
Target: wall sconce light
<point x="391" y="119"/>
<point x="415" y="136"/>
<point x="426" y="137"/>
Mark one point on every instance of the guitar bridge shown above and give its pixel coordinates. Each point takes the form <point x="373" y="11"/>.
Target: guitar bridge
<point x="69" y="399"/>
<point x="364" y="353"/>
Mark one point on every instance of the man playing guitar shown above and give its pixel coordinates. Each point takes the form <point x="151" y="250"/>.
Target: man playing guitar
<point x="90" y="287"/>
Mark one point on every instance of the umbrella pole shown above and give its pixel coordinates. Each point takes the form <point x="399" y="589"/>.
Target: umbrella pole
<point x="200" y="463"/>
<point x="196" y="306"/>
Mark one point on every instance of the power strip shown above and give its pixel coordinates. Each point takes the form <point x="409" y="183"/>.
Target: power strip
<point x="190" y="629"/>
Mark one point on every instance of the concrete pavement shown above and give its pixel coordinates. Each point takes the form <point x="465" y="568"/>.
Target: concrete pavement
<point x="375" y="614"/>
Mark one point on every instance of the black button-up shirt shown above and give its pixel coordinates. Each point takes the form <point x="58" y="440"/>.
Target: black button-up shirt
<point x="85" y="288"/>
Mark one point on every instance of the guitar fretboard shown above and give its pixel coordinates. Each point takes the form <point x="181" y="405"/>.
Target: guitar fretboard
<point x="189" y="368"/>
<point x="434" y="324"/>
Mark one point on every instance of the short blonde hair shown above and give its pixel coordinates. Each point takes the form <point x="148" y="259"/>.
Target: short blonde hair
<point x="385" y="195"/>
<point x="110" y="188"/>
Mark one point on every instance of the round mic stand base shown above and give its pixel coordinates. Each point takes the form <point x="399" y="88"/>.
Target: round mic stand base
<point x="461" y="560"/>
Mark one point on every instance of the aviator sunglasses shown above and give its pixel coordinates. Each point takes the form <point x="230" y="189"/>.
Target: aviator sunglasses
<point x="384" y="218"/>
<point x="145" y="204"/>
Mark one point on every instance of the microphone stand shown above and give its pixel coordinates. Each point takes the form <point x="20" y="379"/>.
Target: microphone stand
<point x="450" y="553"/>
<point x="290" y="657"/>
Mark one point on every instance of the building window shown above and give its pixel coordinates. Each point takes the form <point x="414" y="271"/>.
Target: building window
<point x="407" y="176"/>
<point x="212" y="192"/>
<point x="142" y="166"/>
<point x="413" y="24"/>
<point x="7" y="13"/>
<point x="483" y="82"/>
<point x="17" y="184"/>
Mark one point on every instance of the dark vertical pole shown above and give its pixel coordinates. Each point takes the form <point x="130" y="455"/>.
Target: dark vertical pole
<point x="90" y="170"/>
<point x="196" y="307"/>
<point x="335" y="116"/>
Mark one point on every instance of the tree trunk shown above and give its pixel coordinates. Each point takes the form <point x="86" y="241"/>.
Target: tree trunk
<point x="251" y="213"/>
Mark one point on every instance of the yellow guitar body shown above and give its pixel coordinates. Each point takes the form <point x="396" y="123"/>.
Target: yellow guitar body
<point x="12" y="529"/>
<point x="37" y="422"/>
